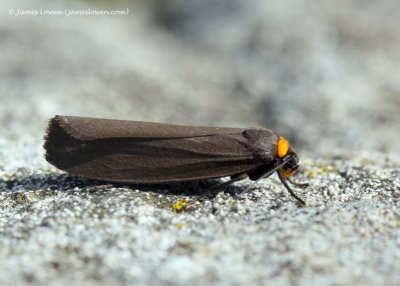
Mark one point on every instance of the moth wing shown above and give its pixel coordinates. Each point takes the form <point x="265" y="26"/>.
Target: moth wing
<point x="87" y="128"/>
<point x="151" y="156"/>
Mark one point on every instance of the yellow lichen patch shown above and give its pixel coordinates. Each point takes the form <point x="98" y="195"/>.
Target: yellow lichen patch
<point x="283" y="147"/>
<point x="179" y="206"/>
<point x="310" y="173"/>
<point x="326" y="169"/>
<point x="319" y="169"/>
<point x="179" y="225"/>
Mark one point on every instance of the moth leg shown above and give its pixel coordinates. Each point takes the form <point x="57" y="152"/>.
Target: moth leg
<point x="238" y="177"/>
<point x="263" y="172"/>
<point x="283" y="180"/>
<point x="299" y="185"/>
<point x="218" y="187"/>
<point x="258" y="175"/>
<point x="102" y="187"/>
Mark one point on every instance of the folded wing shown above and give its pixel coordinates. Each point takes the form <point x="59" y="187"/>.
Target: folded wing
<point x="141" y="152"/>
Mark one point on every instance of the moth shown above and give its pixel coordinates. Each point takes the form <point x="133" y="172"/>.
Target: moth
<point x="139" y="152"/>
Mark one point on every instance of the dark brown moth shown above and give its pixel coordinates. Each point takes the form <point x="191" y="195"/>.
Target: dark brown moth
<point x="151" y="153"/>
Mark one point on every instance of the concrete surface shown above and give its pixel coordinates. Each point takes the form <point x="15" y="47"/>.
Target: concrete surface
<point x="324" y="75"/>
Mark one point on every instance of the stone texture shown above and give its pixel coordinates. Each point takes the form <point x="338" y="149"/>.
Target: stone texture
<point x="324" y="75"/>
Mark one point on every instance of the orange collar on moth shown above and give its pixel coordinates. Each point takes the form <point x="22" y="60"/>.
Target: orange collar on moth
<point x="283" y="147"/>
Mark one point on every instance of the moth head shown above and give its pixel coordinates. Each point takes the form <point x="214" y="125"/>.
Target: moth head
<point x="286" y="153"/>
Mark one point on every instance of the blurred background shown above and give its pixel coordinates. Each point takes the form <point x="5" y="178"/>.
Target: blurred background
<point x="324" y="74"/>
